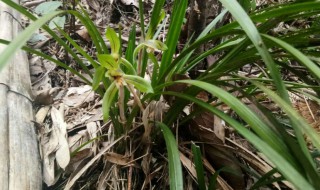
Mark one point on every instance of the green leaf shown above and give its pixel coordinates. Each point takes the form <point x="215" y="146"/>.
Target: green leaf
<point x="300" y="124"/>
<point x="82" y="51"/>
<point x="277" y="158"/>
<point x="61" y="64"/>
<point x="210" y="27"/>
<point x="246" y="5"/>
<point x="23" y="37"/>
<point x="114" y="40"/>
<point x="175" y="170"/>
<point x="257" y="124"/>
<point x="253" y="34"/>
<point x="178" y="15"/>
<point x="128" y="66"/>
<point x="47" y="7"/>
<point x="108" y="99"/>
<point x="263" y="180"/>
<point x="108" y="61"/>
<point x="199" y="166"/>
<point x="97" y="77"/>
<point x="303" y="59"/>
<point x="131" y="45"/>
<point x="139" y="82"/>
<point x="155" y="44"/>
<point x="58" y="21"/>
<point x="157" y="15"/>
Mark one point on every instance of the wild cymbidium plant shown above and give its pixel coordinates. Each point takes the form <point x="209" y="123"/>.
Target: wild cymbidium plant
<point x="111" y="68"/>
<point x="244" y="42"/>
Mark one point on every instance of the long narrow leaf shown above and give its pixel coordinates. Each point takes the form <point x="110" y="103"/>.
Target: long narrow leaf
<point x="179" y="10"/>
<point x="139" y="82"/>
<point x="300" y="127"/>
<point x="274" y="156"/>
<point x="78" y="48"/>
<point x="304" y="60"/>
<point x="114" y="40"/>
<point x="258" y="125"/>
<point x="175" y="170"/>
<point x="294" y="116"/>
<point x="108" y="99"/>
<point x="49" y="58"/>
<point x="202" y="34"/>
<point x="248" y="26"/>
<point x="156" y="15"/>
<point x="23" y="37"/>
<point x="199" y="166"/>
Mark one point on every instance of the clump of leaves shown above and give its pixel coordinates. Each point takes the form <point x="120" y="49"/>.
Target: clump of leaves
<point x="241" y="43"/>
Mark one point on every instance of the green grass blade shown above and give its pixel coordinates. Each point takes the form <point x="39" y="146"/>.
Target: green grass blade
<point x="256" y="123"/>
<point x="285" y="10"/>
<point x="179" y="10"/>
<point x="23" y="11"/>
<point x="263" y="179"/>
<point x="92" y="30"/>
<point x="47" y="57"/>
<point x="300" y="123"/>
<point x="156" y="15"/>
<point x="202" y="34"/>
<point x="199" y="166"/>
<point x="131" y="45"/>
<point x="277" y="158"/>
<point x="304" y="60"/>
<point x="140" y="83"/>
<point x="300" y="127"/>
<point x="107" y="100"/>
<point x="79" y="49"/>
<point x="175" y="170"/>
<point x="248" y="26"/>
<point x="23" y="37"/>
<point x="97" y="77"/>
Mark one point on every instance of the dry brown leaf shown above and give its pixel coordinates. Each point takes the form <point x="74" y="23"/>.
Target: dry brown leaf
<point x="105" y="175"/>
<point x="219" y="128"/>
<point x="48" y="173"/>
<point x="74" y="178"/>
<point x="96" y="115"/>
<point x="43" y="97"/>
<point x="74" y="141"/>
<point x="253" y="160"/>
<point x="77" y="96"/>
<point x="94" y="4"/>
<point x="179" y="87"/>
<point x="49" y="144"/>
<point x="83" y="33"/>
<point x="151" y="176"/>
<point x="222" y="184"/>
<point x="92" y="129"/>
<point x="202" y="128"/>
<point x="77" y="159"/>
<point x="188" y="164"/>
<point x="145" y="163"/>
<point x="42" y="113"/>
<point x="117" y="159"/>
<point x="60" y="128"/>
<point x="309" y="110"/>
<point x="153" y="112"/>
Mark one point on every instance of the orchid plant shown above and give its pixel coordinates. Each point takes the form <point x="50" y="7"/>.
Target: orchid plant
<point x="110" y="67"/>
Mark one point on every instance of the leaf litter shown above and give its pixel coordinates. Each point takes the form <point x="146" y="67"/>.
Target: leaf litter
<point x="74" y="142"/>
